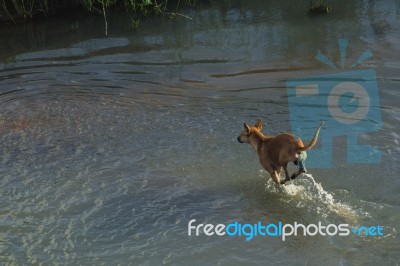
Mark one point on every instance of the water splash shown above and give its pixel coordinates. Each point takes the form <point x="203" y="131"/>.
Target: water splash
<point x="309" y="194"/>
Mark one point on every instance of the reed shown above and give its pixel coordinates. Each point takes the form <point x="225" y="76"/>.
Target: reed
<point x="24" y="10"/>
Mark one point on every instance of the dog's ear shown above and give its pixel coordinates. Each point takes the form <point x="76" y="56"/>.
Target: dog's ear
<point x="258" y="124"/>
<point x="246" y="127"/>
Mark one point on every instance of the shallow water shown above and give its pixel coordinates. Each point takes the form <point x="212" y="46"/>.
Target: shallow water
<point x="110" y="146"/>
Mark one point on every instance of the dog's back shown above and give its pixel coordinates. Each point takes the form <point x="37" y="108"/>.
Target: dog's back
<point x="282" y="148"/>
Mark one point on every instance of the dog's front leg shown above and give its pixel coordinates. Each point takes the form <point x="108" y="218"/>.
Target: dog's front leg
<point x="275" y="176"/>
<point x="287" y="177"/>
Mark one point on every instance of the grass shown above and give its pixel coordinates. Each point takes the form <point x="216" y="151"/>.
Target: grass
<point x="17" y="11"/>
<point x="24" y="10"/>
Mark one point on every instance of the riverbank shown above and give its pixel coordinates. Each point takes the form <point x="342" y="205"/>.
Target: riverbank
<point x="22" y="11"/>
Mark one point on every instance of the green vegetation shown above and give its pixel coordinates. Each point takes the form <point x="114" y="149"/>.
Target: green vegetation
<point x="319" y="9"/>
<point x="23" y="10"/>
<point x="17" y="11"/>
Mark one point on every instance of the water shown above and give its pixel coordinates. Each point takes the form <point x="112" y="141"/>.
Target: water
<point x="111" y="145"/>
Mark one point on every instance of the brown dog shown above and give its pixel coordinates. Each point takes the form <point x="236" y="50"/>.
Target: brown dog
<point x="276" y="152"/>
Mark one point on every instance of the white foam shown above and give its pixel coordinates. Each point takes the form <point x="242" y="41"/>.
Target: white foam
<point x="309" y="194"/>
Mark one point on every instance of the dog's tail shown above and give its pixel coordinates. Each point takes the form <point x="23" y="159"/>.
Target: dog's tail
<point x="313" y="141"/>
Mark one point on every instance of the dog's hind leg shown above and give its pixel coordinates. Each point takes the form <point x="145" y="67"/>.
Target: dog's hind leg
<point x="301" y="163"/>
<point x="294" y="175"/>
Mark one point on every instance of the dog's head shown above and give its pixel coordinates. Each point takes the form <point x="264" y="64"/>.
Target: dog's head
<point x="244" y="137"/>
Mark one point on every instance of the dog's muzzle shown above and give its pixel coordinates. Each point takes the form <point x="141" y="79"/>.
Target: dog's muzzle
<point x="240" y="141"/>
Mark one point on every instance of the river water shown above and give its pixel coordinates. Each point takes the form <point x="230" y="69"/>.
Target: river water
<point x="110" y="146"/>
